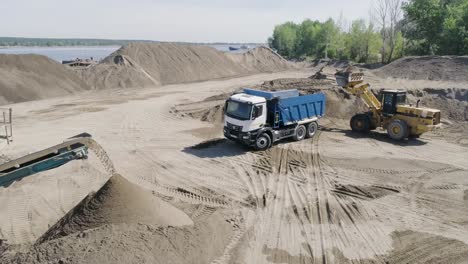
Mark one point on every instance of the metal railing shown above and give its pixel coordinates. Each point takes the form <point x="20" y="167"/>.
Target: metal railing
<point x="6" y="124"/>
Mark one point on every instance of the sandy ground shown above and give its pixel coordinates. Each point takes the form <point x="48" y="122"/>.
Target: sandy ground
<point x="336" y="198"/>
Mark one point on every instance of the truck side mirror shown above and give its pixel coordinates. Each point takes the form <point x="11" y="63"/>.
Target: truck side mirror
<point x="225" y="106"/>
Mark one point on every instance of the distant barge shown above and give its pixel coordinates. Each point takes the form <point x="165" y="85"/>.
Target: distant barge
<point x="81" y="63"/>
<point x="243" y="47"/>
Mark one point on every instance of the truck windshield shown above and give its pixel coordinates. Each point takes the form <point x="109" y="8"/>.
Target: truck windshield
<point x="238" y="110"/>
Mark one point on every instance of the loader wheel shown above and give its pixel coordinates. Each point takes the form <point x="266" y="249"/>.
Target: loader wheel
<point x="300" y="133"/>
<point x="397" y="129"/>
<point x="360" y="123"/>
<point x="312" y="129"/>
<point x="263" y="142"/>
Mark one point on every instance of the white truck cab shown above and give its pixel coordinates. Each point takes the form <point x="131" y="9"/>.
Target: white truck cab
<point x="245" y="113"/>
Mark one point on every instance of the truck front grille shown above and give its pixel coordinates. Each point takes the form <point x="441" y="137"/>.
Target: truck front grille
<point x="233" y="127"/>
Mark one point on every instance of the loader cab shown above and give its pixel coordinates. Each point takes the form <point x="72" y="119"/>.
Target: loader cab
<point x="391" y="99"/>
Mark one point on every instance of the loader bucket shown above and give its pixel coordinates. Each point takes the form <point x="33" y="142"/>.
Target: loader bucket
<point x="345" y="78"/>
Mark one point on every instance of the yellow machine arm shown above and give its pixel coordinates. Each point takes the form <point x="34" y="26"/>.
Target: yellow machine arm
<point x="353" y="84"/>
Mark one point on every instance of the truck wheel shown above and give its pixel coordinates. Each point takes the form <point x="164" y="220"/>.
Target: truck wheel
<point x="360" y="123"/>
<point x="312" y="129"/>
<point x="397" y="129"/>
<point x="300" y="133"/>
<point x="263" y="142"/>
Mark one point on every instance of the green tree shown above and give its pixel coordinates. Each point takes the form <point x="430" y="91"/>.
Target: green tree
<point x="437" y="26"/>
<point x="284" y="39"/>
<point x="327" y="39"/>
<point x="307" y="38"/>
<point x="454" y="37"/>
<point x="427" y="17"/>
<point x="363" y="43"/>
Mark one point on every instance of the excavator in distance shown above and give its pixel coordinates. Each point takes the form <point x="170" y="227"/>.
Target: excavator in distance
<point x="401" y="120"/>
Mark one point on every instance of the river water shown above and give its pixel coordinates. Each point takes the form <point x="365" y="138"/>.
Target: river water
<point x="84" y="52"/>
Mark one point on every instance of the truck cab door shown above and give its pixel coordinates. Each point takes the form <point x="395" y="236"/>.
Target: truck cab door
<point x="259" y="115"/>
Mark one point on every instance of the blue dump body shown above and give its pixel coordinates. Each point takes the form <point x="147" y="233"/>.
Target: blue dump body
<point x="289" y="107"/>
<point x="271" y="95"/>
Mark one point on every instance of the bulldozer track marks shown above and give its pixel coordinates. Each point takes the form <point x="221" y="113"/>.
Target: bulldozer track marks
<point x="178" y="193"/>
<point x="189" y="197"/>
<point x="382" y="171"/>
<point x="203" y="211"/>
<point x="364" y="192"/>
<point x="239" y="231"/>
<point x="444" y="187"/>
<point x="302" y="185"/>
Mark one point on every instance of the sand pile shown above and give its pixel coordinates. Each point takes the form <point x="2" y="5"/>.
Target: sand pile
<point x="452" y="102"/>
<point x="121" y="223"/>
<point x="130" y="243"/>
<point x="154" y="64"/>
<point x="117" y="202"/>
<point x="31" y="77"/>
<point x="261" y="59"/>
<point x="450" y="68"/>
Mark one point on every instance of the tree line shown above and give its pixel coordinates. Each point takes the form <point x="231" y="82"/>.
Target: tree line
<point x="395" y="28"/>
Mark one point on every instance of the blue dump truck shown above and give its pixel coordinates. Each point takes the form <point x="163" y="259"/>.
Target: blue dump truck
<point x="260" y="118"/>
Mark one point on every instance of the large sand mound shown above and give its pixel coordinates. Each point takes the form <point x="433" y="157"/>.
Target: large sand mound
<point x="131" y="243"/>
<point x="117" y="202"/>
<point x="154" y="64"/>
<point x="31" y="77"/>
<point x="450" y="68"/>
<point x="261" y="59"/>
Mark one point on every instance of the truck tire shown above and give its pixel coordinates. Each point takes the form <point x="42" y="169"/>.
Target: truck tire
<point x="360" y="123"/>
<point x="300" y="133"/>
<point x="397" y="129"/>
<point x="312" y="129"/>
<point x="263" y="142"/>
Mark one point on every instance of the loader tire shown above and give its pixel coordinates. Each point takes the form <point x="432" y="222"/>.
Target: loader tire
<point x="263" y="142"/>
<point x="300" y="133"/>
<point x="360" y="123"/>
<point x="312" y="129"/>
<point x="397" y="129"/>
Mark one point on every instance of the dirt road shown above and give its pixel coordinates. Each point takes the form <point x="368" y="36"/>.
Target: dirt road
<point x="336" y="198"/>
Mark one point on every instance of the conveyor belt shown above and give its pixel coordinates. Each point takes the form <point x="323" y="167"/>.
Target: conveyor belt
<point x="50" y="158"/>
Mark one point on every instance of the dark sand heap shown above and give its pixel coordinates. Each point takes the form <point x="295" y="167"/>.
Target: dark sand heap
<point x="117" y="202"/>
<point x="31" y="77"/>
<point x="448" y="68"/>
<point x="154" y="64"/>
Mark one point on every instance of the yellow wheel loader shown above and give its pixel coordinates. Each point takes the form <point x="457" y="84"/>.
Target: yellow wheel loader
<point x="392" y="112"/>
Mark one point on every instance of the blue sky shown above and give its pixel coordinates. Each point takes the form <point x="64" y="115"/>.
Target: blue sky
<point x="176" y="20"/>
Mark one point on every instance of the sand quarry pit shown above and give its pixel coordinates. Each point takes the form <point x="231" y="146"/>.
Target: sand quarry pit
<point x="189" y="196"/>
